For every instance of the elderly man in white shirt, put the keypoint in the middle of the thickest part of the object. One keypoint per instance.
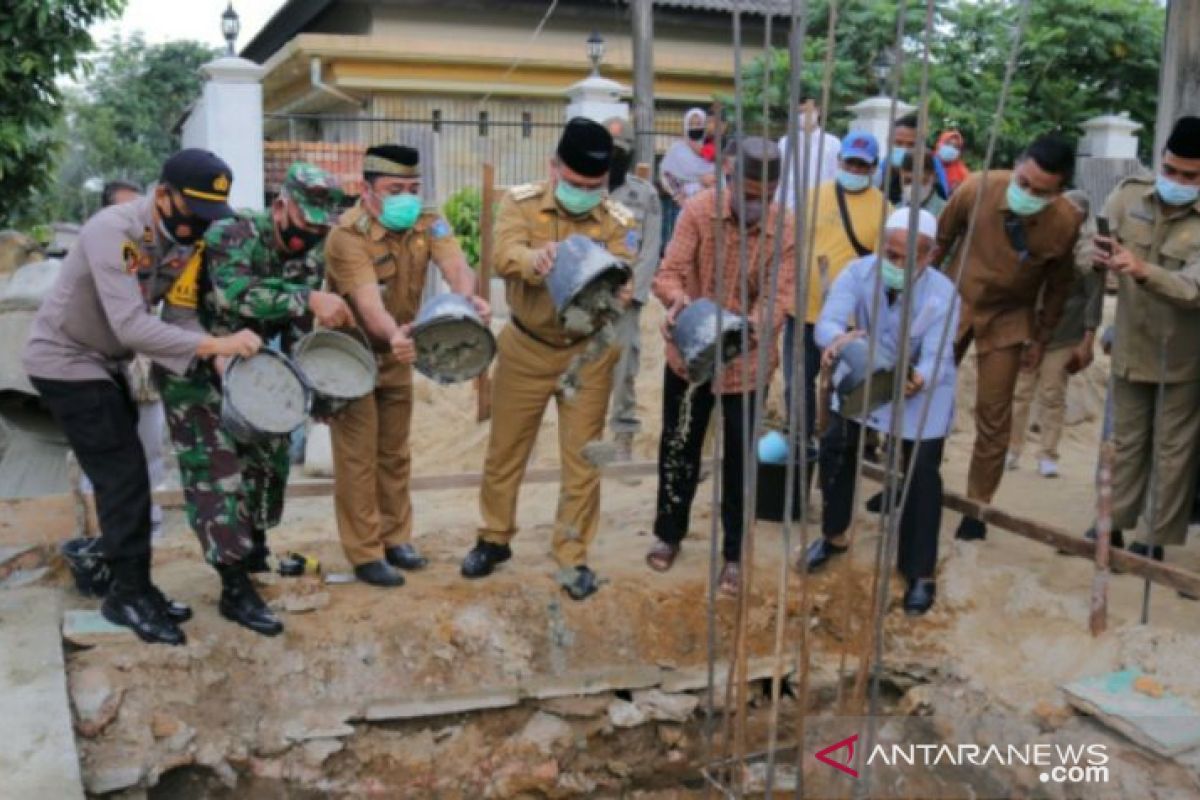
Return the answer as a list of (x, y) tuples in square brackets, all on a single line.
[(928, 407), (822, 149)]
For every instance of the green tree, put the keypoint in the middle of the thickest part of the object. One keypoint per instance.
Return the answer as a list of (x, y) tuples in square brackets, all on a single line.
[(1078, 59), (122, 124), (43, 40)]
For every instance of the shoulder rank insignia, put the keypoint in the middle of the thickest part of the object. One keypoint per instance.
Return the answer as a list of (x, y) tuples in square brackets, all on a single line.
[(620, 212), (525, 191)]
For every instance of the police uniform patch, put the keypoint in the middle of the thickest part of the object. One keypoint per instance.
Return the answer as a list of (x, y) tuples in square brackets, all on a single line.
[(185, 292), (440, 229), (134, 258)]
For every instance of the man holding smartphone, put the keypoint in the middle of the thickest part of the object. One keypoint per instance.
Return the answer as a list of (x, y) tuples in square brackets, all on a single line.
[(1155, 252)]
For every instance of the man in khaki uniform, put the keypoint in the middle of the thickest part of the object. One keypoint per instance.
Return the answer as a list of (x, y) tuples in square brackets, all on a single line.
[(1021, 248), (645, 239), (1156, 252), (377, 256), (535, 350)]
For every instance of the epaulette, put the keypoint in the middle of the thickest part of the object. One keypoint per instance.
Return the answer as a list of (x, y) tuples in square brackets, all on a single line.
[(620, 212), (363, 224), (1141, 179), (526, 191)]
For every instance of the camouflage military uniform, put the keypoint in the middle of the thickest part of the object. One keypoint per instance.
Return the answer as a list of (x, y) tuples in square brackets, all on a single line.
[(232, 489)]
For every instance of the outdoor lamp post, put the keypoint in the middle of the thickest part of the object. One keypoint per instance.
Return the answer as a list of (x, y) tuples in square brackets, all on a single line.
[(882, 68), (230, 26), (595, 51)]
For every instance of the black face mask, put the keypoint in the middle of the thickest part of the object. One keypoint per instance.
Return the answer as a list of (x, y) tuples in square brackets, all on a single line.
[(171, 223), (297, 240), (696, 134), (619, 167)]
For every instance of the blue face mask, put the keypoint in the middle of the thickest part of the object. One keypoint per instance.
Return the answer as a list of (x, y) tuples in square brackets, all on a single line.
[(948, 153), (852, 182), (575, 200), (892, 275), (898, 154), (399, 212), (1175, 194), (1022, 203)]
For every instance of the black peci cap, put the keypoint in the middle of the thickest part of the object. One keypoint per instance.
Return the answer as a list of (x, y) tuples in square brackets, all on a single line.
[(395, 160), (1184, 140), (586, 147), (203, 179)]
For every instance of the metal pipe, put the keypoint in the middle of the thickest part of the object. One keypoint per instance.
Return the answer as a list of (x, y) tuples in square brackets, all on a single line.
[(314, 77)]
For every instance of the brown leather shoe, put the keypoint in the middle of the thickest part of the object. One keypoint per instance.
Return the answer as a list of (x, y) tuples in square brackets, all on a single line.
[(730, 581), (662, 556)]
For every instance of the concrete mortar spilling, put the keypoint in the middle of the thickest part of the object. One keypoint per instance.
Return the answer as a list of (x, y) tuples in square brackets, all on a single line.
[(335, 373)]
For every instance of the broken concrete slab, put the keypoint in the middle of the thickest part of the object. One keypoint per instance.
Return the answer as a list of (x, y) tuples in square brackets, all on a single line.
[(663, 707), (89, 629), (546, 732), (314, 724), (38, 758), (111, 779), (441, 704), (583, 707), (1165, 724), (691, 679), (625, 714), (611, 679)]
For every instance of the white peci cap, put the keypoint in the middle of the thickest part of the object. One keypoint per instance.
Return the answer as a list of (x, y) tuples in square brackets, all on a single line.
[(926, 222)]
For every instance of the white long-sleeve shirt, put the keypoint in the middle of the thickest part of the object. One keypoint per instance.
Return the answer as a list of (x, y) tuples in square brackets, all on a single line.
[(822, 163)]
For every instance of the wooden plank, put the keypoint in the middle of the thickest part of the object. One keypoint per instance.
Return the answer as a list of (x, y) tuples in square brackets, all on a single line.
[(1065, 541), (38, 758), (487, 252)]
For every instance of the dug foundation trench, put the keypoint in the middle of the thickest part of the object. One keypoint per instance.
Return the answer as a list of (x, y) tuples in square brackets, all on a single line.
[(505, 688)]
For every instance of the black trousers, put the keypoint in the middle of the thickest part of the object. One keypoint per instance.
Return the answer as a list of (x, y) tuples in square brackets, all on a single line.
[(100, 420), (679, 453), (921, 518)]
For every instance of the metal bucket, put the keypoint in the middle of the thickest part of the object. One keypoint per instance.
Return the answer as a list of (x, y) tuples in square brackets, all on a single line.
[(337, 368), (850, 379), (263, 396), (453, 344), (695, 334), (584, 282)]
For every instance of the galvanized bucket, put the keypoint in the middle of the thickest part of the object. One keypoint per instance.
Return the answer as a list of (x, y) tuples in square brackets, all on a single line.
[(695, 335), (584, 283), (850, 380), (263, 396), (453, 344), (338, 369)]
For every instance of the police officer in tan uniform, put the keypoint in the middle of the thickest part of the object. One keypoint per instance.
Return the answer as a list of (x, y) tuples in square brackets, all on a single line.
[(377, 257), (535, 350), (1155, 250)]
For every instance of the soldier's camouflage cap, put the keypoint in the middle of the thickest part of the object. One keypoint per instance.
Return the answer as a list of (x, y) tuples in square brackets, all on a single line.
[(314, 191)]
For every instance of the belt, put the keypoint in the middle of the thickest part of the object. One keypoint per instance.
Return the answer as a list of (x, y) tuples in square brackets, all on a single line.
[(521, 327)]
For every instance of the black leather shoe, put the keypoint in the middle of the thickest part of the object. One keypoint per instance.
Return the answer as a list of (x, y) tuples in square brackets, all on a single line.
[(241, 603), (379, 573), (176, 611), (1146, 551), (919, 596), (819, 552), (875, 504), (583, 585), (1116, 538), (405, 557), (141, 612), (483, 558), (971, 530)]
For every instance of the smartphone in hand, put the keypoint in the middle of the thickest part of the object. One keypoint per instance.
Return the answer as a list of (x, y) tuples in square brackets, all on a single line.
[(1103, 229)]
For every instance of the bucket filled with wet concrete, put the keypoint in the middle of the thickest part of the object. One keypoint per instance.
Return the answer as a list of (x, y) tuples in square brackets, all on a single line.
[(453, 342), (337, 367), (263, 396), (700, 338), (585, 283)]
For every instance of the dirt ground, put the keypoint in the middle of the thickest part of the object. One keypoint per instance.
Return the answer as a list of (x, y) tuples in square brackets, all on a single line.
[(1010, 623)]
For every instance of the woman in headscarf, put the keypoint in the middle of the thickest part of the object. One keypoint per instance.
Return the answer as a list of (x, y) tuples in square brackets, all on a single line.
[(684, 172), (949, 152)]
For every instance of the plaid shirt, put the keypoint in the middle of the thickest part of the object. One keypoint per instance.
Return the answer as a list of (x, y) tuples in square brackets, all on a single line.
[(690, 266)]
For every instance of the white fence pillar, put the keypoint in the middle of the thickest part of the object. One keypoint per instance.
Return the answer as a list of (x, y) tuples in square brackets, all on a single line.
[(874, 115), (228, 120)]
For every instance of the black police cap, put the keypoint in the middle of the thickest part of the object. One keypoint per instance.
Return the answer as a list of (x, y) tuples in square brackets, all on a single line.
[(204, 181)]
